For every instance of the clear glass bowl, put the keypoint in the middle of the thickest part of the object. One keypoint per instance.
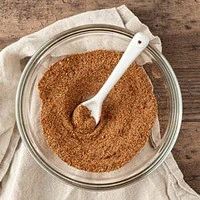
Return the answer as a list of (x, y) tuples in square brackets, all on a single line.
[(83, 39)]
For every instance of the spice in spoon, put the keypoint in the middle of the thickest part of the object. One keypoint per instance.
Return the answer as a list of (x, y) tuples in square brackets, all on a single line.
[(82, 120)]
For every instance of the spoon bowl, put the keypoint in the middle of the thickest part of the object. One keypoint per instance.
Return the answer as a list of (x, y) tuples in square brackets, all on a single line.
[(95, 107)]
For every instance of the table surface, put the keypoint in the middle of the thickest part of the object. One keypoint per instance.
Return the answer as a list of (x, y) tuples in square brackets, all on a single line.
[(176, 22)]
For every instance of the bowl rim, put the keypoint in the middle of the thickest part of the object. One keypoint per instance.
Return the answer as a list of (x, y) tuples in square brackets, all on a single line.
[(165, 150)]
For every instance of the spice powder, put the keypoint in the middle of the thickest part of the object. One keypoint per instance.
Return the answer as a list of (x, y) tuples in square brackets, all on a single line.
[(127, 116)]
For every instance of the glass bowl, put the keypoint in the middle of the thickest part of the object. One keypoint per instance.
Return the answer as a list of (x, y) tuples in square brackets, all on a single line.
[(166, 89)]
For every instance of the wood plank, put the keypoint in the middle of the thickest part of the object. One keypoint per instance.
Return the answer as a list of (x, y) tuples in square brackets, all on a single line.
[(186, 153)]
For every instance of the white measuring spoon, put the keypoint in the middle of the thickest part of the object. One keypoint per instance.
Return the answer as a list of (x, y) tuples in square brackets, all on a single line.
[(135, 47)]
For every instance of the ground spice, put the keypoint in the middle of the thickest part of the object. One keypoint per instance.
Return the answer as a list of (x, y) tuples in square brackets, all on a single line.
[(128, 112), (82, 120)]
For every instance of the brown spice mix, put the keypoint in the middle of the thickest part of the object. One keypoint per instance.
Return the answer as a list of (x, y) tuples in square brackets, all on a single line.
[(127, 117), (83, 122)]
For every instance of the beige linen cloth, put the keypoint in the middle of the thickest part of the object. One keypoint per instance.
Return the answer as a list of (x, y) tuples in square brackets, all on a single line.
[(21, 177)]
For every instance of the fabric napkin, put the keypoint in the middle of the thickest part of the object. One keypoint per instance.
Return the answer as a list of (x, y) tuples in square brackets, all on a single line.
[(21, 177)]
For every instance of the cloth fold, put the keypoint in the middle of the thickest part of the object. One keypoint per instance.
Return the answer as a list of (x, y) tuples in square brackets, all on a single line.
[(25, 179)]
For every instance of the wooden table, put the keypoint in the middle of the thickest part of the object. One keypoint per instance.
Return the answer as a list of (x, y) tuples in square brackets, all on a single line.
[(177, 22)]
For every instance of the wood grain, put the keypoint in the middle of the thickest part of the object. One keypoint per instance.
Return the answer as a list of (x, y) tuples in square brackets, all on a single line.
[(177, 22)]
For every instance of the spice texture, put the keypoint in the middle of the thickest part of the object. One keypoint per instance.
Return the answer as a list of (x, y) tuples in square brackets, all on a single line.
[(82, 120), (127, 116)]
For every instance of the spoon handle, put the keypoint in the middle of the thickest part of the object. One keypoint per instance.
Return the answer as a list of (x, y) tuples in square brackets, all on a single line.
[(138, 43)]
